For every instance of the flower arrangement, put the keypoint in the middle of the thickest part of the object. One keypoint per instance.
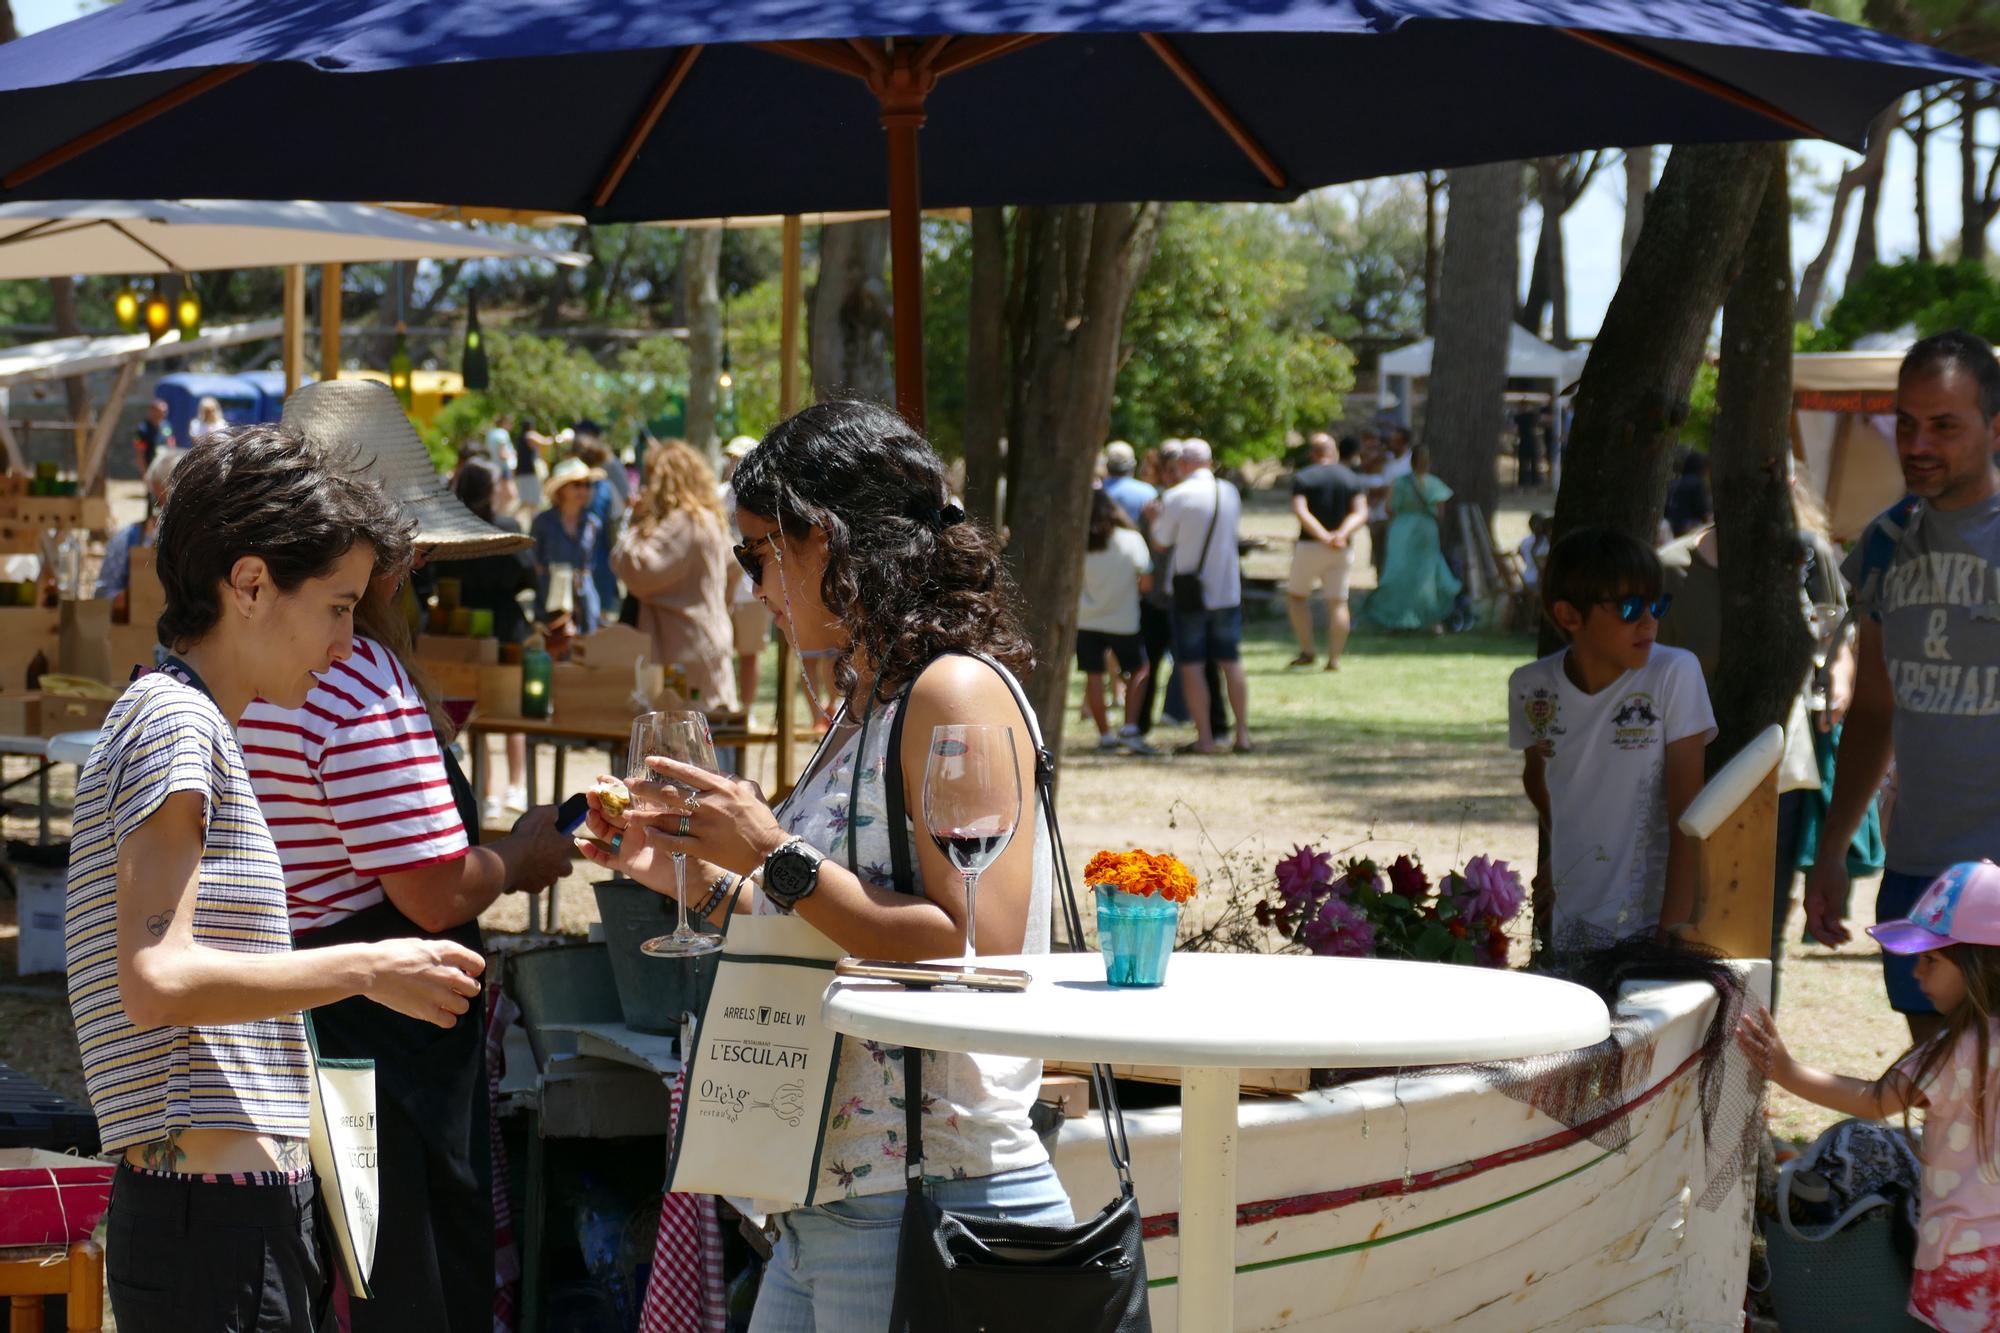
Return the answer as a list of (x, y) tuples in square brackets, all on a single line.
[(1361, 910), (1142, 874)]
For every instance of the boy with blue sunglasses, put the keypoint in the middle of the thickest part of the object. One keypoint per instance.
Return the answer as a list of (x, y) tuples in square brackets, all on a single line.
[(1612, 729)]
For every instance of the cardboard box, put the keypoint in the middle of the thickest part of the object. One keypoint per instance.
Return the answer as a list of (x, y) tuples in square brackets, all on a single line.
[(91, 512), (129, 646), (20, 713), (40, 905), (68, 712), (24, 632), (458, 648), (596, 698), (493, 689), (145, 598), (84, 640)]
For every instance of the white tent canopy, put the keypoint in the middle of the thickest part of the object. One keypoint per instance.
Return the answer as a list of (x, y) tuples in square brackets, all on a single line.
[(1528, 358), (74, 237)]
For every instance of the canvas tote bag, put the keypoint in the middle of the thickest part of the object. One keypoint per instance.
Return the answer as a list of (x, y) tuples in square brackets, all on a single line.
[(343, 1147)]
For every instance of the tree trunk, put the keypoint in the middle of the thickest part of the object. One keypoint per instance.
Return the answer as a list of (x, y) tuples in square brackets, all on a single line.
[(1867, 172), (1434, 185), (1919, 130), (701, 297), (1634, 396), (1758, 675), (1867, 253), (1091, 257), (849, 324), (1469, 365), (1972, 213), (1638, 189), (985, 345), (8, 32)]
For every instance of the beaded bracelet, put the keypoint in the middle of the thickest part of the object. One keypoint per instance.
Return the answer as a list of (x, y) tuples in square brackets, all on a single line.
[(716, 888)]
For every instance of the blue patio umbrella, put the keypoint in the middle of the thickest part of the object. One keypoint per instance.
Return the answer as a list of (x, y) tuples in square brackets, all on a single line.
[(657, 109)]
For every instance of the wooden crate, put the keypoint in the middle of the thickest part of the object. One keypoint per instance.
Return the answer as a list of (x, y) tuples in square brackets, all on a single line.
[(32, 713), (1262, 1082), (458, 648), (494, 689), (60, 511), (130, 646), (600, 697)]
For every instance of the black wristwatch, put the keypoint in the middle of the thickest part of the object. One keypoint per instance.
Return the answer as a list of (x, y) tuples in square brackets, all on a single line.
[(791, 872)]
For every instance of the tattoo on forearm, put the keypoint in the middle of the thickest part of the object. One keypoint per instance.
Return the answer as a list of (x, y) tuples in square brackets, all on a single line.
[(293, 1154), (163, 1154), (156, 924)]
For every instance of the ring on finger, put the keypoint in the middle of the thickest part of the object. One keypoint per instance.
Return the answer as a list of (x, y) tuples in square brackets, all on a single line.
[(693, 800), (686, 825)]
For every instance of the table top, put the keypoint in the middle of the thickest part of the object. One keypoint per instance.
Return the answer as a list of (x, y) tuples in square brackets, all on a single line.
[(1237, 1011), (554, 728)]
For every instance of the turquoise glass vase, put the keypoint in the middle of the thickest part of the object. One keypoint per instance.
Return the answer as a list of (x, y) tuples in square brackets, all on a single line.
[(1136, 935)]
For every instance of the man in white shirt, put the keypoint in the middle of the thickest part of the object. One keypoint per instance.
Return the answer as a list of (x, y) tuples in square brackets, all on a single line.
[(1195, 526)]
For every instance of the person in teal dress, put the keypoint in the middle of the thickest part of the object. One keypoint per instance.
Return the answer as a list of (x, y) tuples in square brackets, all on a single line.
[(1418, 589)]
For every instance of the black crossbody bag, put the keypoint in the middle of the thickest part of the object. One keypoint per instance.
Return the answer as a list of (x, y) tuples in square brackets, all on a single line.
[(966, 1274), (1187, 587)]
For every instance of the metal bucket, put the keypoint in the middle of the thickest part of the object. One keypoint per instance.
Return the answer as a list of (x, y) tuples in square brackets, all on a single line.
[(563, 983), (655, 993)]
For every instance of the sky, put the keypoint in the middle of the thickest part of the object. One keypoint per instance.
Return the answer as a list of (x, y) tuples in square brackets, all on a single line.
[(1592, 229)]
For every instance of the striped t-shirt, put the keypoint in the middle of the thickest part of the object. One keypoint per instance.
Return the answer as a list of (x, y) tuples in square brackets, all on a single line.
[(163, 737), (352, 786)]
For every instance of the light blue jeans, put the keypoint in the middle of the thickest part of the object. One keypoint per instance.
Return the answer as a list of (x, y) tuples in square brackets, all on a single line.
[(834, 1267)]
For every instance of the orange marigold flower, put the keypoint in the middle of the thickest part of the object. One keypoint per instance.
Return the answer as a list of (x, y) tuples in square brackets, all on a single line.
[(1145, 874)]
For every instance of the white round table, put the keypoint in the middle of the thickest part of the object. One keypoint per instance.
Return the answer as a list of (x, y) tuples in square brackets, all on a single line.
[(1223, 1012)]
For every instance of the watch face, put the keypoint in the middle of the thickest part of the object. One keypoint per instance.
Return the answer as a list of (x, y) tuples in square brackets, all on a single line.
[(792, 872)]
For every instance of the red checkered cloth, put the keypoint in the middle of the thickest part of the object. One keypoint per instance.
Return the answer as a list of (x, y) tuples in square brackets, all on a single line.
[(684, 1290), (500, 1015)]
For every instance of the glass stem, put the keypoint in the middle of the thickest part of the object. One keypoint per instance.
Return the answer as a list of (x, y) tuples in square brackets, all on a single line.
[(971, 913), (680, 894)]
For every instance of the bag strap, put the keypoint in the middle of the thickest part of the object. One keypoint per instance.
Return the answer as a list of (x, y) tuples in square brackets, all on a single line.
[(1102, 1085), (1207, 544)]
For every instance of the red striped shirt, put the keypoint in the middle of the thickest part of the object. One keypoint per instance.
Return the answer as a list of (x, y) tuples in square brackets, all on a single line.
[(352, 786)]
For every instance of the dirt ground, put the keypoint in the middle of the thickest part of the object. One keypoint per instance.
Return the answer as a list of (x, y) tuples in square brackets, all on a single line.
[(1404, 749)]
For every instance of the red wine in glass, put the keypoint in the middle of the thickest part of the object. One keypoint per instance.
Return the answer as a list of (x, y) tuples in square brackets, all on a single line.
[(972, 801)]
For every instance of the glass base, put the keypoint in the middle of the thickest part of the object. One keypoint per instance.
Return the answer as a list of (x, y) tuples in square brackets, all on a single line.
[(680, 945)]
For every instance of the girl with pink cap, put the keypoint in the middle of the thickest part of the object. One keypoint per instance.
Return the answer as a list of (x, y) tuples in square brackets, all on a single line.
[(1954, 930)]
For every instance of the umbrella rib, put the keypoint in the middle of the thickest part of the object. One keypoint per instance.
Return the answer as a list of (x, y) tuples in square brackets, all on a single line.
[(969, 51), (1217, 109), (31, 231), (122, 230), (132, 119), (826, 55), (871, 56), (636, 137), (1694, 78)]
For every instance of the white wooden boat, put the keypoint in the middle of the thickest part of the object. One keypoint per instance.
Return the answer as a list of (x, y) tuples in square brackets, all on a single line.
[(1439, 1202)]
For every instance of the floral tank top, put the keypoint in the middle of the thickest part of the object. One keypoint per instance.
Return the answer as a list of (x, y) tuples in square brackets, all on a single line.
[(975, 1107)]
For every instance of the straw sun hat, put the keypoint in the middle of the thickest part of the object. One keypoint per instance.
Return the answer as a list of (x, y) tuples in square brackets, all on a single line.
[(568, 473), (363, 415)]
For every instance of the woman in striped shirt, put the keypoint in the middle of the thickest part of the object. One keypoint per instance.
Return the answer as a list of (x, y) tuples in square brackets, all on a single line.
[(378, 833), (182, 983)]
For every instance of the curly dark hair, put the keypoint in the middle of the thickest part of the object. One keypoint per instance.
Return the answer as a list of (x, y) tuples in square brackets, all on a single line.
[(907, 583), (264, 491)]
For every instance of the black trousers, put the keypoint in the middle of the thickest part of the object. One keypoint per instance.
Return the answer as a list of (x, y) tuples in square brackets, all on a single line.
[(1156, 628), (433, 1268), (183, 1255)]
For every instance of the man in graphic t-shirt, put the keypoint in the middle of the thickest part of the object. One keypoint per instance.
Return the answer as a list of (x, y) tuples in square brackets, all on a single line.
[(1926, 580)]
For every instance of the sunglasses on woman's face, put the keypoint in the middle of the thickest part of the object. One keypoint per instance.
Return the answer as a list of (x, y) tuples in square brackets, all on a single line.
[(746, 556), (1629, 609)]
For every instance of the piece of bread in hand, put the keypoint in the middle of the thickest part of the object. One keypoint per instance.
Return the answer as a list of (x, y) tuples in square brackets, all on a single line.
[(614, 798)]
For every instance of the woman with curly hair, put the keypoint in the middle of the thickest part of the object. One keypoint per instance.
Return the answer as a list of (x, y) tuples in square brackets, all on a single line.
[(852, 539), (673, 555)]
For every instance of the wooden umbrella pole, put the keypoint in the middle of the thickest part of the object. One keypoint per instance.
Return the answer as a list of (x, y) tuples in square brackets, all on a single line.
[(901, 87), (294, 343), (329, 321)]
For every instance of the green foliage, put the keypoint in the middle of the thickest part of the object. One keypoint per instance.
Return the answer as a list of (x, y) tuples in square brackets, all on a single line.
[(1222, 340), (755, 337), (465, 417), (543, 380), (1701, 408), (1932, 297), (947, 308), (647, 379), (1366, 261)]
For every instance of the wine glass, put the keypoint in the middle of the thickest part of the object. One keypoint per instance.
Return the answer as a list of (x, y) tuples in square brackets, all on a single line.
[(1826, 624), (972, 801), (681, 736)]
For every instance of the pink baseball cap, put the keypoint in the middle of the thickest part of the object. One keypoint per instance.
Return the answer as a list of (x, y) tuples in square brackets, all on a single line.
[(1962, 906)]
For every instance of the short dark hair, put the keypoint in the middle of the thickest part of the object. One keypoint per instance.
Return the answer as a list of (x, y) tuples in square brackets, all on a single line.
[(1595, 565), (1957, 349), (905, 575), (1349, 448), (264, 491)]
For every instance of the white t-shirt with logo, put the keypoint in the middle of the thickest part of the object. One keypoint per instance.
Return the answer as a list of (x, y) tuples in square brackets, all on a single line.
[(1109, 603), (1607, 756)]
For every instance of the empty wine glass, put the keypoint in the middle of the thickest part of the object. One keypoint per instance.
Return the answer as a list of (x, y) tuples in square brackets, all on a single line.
[(972, 801), (681, 736)]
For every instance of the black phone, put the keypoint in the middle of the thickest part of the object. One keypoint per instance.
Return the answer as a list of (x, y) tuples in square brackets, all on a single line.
[(570, 817)]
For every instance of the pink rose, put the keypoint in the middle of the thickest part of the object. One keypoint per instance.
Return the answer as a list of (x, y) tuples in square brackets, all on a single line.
[(1303, 873), (1336, 930), (1494, 889)]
